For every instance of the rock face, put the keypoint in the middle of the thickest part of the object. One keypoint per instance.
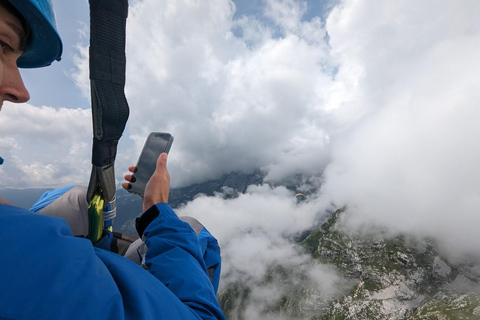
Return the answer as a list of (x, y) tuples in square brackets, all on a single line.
[(389, 277), (397, 278)]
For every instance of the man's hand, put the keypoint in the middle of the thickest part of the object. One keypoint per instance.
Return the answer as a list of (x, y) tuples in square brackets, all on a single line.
[(158, 187)]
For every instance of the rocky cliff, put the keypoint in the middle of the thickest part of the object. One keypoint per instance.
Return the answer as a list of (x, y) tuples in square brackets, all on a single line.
[(387, 277)]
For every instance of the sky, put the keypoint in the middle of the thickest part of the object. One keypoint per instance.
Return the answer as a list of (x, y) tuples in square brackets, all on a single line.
[(375, 103)]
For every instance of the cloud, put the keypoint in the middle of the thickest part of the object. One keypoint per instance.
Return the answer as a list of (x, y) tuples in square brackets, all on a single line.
[(235, 101), (272, 211), (409, 160), (44, 146), (255, 232), (81, 73), (237, 94)]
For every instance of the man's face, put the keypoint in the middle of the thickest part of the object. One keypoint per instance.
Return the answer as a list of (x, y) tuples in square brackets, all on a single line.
[(11, 38)]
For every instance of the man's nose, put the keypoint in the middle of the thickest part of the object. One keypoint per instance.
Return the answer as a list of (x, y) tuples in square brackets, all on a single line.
[(12, 87)]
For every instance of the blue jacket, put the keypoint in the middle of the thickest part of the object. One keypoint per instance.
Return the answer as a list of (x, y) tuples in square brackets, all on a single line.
[(46, 273)]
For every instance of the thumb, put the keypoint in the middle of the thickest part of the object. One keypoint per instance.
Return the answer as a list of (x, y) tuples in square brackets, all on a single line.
[(162, 161)]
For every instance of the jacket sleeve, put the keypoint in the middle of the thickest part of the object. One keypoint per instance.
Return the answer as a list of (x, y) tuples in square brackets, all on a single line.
[(210, 250), (175, 257), (46, 273)]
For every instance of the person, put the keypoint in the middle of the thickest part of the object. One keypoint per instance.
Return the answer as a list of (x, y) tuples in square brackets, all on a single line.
[(70, 203), (46, 272)]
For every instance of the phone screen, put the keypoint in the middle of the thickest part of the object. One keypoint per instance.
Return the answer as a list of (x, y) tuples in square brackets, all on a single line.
[(157, 143)]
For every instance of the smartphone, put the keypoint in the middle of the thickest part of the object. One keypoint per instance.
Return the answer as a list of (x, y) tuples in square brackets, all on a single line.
[(157, 143)]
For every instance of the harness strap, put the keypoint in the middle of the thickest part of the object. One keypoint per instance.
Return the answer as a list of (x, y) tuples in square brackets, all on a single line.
[(109, 104)]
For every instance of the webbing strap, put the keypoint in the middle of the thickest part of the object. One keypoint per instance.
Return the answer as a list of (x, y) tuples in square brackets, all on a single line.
[(95, 221), (107, 79)]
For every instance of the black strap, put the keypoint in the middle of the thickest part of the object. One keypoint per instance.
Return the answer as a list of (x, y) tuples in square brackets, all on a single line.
[(121, 242), (142, 222), (107, 79)]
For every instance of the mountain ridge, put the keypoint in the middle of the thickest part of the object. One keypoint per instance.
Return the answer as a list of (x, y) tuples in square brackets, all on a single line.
[(389, 276), (129, 206), (23, 198)]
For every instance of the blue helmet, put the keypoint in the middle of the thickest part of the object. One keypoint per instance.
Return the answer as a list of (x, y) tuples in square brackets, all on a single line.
[(44, 45)]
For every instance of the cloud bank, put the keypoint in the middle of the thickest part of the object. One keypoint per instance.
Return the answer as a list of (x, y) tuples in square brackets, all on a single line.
[(236, 97), (255, 232), (410, 162)]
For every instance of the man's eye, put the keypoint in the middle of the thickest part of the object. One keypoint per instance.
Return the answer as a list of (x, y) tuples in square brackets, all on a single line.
[(5, 47)]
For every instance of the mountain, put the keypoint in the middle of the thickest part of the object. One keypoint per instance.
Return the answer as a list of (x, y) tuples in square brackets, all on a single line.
[(389, 278), (129, 206), (23, 198)]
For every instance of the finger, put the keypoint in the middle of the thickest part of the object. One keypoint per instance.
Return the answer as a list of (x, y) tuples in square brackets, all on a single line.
[(132, 169), (130, 178), (126, 185)]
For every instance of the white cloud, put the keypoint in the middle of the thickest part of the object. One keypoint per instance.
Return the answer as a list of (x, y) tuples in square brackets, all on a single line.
[(410, 162), (285, 13), (44, 146), (273, 212), (255, 232), (81, 73), (232, 103)]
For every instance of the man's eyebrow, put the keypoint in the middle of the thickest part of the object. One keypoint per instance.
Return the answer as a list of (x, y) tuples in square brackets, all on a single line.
[(20, 33)]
